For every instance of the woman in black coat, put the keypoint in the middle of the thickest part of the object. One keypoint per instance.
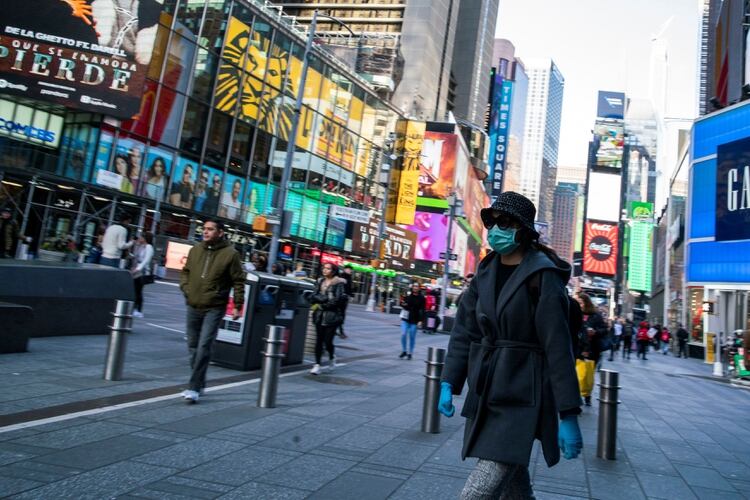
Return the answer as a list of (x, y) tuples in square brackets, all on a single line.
[(412, 313), (514, 351), (329, 301)]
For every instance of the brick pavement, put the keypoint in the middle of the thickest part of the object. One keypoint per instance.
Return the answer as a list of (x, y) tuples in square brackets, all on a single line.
[(350, 434)]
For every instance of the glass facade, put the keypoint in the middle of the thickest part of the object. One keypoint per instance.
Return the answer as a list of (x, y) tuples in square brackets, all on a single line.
[(211, 135)]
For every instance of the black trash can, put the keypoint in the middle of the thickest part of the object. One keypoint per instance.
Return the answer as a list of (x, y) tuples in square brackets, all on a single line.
[(239, 343), (296, 338)]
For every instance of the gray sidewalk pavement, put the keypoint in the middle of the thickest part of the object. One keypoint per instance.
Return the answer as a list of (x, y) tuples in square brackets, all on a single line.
[(353, 433)]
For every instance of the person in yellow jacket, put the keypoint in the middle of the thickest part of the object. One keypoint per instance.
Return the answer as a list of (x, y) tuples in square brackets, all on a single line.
[(213, 268)]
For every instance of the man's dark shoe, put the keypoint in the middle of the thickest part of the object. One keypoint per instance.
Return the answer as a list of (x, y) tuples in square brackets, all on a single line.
[(408, 356), (402, 355)]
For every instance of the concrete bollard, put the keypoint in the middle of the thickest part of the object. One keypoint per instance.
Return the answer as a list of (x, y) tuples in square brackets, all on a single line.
[(269, 377), (606, 440), (430, 416), (122, 322)]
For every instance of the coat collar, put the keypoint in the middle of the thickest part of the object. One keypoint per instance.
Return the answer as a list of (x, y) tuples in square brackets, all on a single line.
[(491, 307)]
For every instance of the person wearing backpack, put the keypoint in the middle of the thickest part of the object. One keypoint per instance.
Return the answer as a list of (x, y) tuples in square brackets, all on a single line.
[(514, 352), (665, 336)]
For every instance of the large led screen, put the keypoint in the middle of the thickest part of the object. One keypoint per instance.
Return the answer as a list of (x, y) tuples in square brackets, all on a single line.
[(432, 232), (603, 198), (609, 140), (600, 248), (91, 55)]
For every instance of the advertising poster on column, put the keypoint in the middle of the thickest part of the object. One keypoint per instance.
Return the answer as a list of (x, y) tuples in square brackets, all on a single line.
[(125, 171), (183, 183), (91, 55), (231, 330), (600, 248), (231, 200), (156, 178), (207, 191)]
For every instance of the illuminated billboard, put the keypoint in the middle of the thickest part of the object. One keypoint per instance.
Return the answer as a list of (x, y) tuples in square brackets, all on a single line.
[(438, 164), (610, 105), (640, 256), (609, 140), (600, 248), (502, 95), (603, 197), (88, 55)]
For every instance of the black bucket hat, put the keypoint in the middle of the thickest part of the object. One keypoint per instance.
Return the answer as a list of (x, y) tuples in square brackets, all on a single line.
[(514, 205)]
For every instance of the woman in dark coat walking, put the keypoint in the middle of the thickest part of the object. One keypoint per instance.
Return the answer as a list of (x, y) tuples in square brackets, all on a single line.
[(513, 349), (328, 302), (412, 313)]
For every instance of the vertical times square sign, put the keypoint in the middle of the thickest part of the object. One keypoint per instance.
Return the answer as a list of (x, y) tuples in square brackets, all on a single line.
[(502, 94)]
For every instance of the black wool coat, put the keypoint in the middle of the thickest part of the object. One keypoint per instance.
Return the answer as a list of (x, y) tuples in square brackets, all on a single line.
[(330, 304), (531, 376)]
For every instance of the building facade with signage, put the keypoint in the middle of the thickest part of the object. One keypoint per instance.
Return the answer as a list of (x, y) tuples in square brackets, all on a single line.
[(200, 131), (717, 230)]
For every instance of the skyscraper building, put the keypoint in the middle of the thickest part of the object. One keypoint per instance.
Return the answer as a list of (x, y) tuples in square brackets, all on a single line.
[(542, 134), (575, 174), (563, 230), (406, 47), (473, 57)]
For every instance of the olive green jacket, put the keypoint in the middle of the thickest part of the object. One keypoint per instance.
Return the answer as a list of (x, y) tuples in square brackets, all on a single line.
[(210, 272)]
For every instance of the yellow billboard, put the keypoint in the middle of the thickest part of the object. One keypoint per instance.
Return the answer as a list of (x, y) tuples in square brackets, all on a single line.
[(404, 186)]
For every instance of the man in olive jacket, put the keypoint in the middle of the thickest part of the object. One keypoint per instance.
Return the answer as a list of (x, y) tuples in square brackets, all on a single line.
[(212, 269)]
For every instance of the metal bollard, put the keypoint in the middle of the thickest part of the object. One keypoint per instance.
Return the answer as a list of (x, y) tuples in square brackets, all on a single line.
[(269, 377), (606, 440), (122, 323), (430, 416)]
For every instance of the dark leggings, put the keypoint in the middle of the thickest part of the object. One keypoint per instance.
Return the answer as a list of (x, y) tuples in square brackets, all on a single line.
[(138, 282), (325, 334)]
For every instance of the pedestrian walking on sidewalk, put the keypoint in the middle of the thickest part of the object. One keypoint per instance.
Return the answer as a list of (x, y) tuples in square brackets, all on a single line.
[(682, 339), (212, 270), (627, 339), (665, 336), (347, 276), (115, 241), (616, 337), (143, 253), (514, 351), (9, 234), (412, 314), (328, 302), (595, 331), (642, 340)]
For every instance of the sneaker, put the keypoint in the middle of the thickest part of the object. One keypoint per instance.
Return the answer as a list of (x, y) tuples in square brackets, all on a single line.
[(137, 314), (587, 400), (408, 356), (332, 364), (402, 355), (190, 397), (315, 369)]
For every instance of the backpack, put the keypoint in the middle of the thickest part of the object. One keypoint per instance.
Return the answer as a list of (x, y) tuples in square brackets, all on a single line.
[(575, 315)]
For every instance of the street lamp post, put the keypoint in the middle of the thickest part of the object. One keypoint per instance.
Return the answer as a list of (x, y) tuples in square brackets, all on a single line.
[(286, 174), (387, 166), (453, 204)]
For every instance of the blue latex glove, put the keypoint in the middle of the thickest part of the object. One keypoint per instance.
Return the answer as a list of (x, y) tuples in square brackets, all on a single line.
[(445, 405), (569, 437)]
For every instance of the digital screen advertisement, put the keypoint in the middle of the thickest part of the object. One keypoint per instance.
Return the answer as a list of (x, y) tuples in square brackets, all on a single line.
[(91, 55), (640, 256), (609, 141), (432, 232), (438, 164), (177, 254), (603, 200), (600, 248)]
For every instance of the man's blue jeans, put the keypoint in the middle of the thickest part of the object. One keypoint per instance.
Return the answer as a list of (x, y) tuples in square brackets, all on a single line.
[(202, 327), (105, 261)]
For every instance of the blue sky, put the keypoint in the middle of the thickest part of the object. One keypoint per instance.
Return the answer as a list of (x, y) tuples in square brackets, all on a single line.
[(605, 45)]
